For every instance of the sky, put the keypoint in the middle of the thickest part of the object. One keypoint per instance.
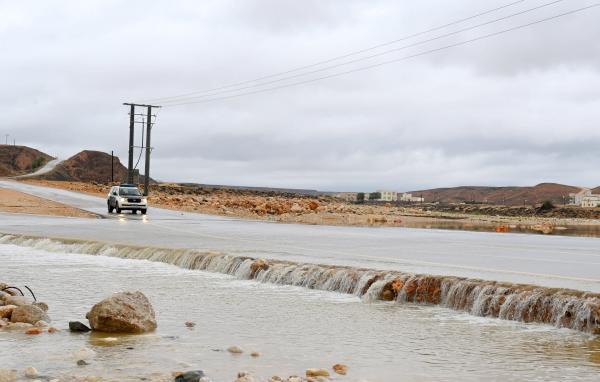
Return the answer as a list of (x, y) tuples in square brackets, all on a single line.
[(518, 108)]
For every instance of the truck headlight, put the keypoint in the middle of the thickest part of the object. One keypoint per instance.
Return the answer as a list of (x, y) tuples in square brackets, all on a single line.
[(144, 200), (122, 200)]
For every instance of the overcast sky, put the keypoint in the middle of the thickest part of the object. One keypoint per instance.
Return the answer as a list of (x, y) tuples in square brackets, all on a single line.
[(517, 109)]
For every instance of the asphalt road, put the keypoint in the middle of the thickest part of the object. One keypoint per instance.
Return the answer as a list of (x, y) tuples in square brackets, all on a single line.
[(556, 261)]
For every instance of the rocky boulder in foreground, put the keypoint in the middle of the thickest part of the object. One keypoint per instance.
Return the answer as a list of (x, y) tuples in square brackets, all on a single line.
[(125, 312)]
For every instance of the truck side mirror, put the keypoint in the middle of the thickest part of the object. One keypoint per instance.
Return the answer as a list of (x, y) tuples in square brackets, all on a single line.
[(114, 193)]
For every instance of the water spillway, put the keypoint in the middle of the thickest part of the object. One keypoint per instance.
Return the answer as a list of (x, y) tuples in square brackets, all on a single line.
[(561, 308)]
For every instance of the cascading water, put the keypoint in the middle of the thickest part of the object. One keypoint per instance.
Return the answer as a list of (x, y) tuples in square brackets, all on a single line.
[(519, 302)]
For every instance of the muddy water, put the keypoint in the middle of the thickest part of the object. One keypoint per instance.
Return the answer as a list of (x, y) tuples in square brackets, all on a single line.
[(293, 328)]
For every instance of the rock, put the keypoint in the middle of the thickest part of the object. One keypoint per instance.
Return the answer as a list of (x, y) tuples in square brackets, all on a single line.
[(294, 378), (78, 327), (296, 208), (190, 376), (340, 368), (52, 330), (6, 310), (29, 314), (235, 350), (3, 295), (255, 354), (3, 323), (190, 324), (31, 372), (42, 305), (126, 312), (317, 373), (19, 326), (82, 362), (41, 324), (8, 375), (275, 378), (33, 331), (245, 377), (312, 205), (17, 300)]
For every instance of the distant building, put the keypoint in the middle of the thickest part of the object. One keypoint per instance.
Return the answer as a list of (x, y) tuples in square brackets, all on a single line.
[(405, 197), (585, 198), (388, 196)]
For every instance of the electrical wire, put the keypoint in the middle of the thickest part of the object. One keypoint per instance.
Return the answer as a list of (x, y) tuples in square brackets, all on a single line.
[(446, 47), (373, 55), (456, 22)]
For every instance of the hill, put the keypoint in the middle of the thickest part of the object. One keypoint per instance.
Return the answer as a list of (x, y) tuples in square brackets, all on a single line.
[(596, 190), (557, 193), (89, 166), (19, 160)]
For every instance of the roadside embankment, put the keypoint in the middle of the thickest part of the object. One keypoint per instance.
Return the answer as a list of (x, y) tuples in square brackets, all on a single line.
[(17, 202)]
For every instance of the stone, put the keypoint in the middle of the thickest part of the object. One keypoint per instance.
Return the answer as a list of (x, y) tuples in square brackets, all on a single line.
[(7, 375), (235, 350), (294, 378), (17, 300), (29, 314), (33, 331), (82, 362), (52, 330), (190, 324), (255, 354), (7, 310), (19, 326), (125, 312), (296, 208), (78, 327), (257, 266), (41, 324), (317, 373), (245, 377), (31, 372), (42, 305), (190, 376), (3, 323), (340, 368), (4, 295)]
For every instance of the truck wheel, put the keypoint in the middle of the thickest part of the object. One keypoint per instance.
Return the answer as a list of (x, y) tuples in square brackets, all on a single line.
[(143, 212), (118, 209)]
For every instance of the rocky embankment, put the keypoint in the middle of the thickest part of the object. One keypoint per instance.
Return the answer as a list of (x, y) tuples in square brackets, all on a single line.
[(18, 312)]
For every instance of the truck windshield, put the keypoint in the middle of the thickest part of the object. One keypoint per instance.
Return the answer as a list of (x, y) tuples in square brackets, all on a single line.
[(129, 191)]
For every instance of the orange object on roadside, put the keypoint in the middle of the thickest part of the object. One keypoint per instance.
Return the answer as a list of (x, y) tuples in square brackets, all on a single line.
[(501, 228)]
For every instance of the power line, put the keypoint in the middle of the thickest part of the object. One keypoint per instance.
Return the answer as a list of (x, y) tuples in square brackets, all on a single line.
[(373, 55), (342, 56), (465, 42)]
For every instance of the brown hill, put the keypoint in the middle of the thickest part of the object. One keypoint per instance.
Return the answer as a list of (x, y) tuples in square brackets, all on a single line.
[(596, 190), (19, 160), (557, 193), (89, 166)]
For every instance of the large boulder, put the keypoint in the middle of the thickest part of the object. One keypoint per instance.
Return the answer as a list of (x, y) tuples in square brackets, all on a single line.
[(28, 314), (126, 312), (17, 300)]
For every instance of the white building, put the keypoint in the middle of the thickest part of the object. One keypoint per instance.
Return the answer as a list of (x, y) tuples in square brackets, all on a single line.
[(388, 196), (405, 197), (585, 198)]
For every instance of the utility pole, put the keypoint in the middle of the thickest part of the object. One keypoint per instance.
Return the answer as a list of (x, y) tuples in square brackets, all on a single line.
[(112, 166), (130, 170)]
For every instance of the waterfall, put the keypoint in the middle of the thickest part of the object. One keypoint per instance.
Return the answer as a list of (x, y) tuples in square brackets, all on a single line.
[(518, 302)]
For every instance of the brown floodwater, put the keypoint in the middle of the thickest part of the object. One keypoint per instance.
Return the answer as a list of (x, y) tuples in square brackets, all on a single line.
[(293, 328)]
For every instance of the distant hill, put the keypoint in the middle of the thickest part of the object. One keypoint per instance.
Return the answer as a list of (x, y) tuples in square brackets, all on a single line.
[(89, 166), (557, 193), (596, 190), (19, 160)]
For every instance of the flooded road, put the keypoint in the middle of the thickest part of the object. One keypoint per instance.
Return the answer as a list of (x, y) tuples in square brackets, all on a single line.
[(293, 329)]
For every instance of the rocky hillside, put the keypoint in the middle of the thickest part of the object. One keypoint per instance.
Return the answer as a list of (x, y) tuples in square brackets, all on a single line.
[(88, 166), (19, 160), (557, 193)]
